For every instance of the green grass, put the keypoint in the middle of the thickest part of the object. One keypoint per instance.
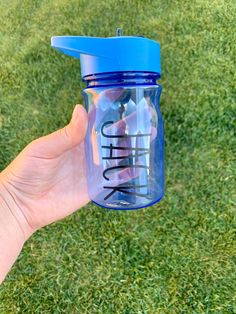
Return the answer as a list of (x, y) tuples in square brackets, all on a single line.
[(178, 256)]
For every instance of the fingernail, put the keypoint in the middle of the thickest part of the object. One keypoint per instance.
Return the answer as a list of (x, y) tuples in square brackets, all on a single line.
[(75, 113)]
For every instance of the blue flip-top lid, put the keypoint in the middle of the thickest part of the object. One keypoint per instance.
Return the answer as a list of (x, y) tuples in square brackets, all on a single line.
[(111, 54)]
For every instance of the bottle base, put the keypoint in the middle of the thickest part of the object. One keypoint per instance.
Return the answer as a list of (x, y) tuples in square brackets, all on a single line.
[(125, 205)]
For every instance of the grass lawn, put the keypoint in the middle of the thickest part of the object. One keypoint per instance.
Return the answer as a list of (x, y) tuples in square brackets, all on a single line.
[(178, 256)]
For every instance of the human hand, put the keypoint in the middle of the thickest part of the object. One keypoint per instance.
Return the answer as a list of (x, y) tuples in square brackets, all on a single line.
[(47, 180)]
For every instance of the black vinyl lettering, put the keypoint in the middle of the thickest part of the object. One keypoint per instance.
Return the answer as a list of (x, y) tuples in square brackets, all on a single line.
[(130, 158), (138, 152), (122, 135), (122, 167), (125, 189)]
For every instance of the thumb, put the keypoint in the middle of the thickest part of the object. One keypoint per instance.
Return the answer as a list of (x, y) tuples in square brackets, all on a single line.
[(58, 142)]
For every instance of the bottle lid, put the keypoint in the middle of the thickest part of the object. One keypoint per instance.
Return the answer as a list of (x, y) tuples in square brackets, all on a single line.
[(112, 54)]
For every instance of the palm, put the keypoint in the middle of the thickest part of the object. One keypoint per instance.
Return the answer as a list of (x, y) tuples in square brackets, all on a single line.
[(47, 179), (49, 188)]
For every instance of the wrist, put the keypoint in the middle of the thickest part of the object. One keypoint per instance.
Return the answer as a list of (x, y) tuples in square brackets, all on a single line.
[(12, 236), (14, 229), (12, 219)]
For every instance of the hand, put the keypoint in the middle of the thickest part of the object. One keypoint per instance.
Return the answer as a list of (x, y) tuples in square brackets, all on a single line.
[(47, 180)]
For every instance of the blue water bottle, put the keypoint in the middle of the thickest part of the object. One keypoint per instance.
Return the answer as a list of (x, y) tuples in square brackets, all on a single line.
[(125, 137)]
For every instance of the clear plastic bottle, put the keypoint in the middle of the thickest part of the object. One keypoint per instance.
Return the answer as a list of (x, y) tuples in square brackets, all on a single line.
[(125, 138)]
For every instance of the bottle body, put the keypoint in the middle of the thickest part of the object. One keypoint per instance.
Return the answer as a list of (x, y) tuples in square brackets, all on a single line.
[(125, 140)]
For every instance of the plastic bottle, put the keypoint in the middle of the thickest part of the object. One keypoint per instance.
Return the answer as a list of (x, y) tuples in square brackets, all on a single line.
[(125, 137)]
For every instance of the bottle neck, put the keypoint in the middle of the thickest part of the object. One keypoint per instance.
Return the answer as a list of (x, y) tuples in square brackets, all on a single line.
[(121, 78)]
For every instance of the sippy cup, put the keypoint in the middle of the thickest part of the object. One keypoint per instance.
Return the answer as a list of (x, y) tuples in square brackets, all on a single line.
[(124, 143)]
